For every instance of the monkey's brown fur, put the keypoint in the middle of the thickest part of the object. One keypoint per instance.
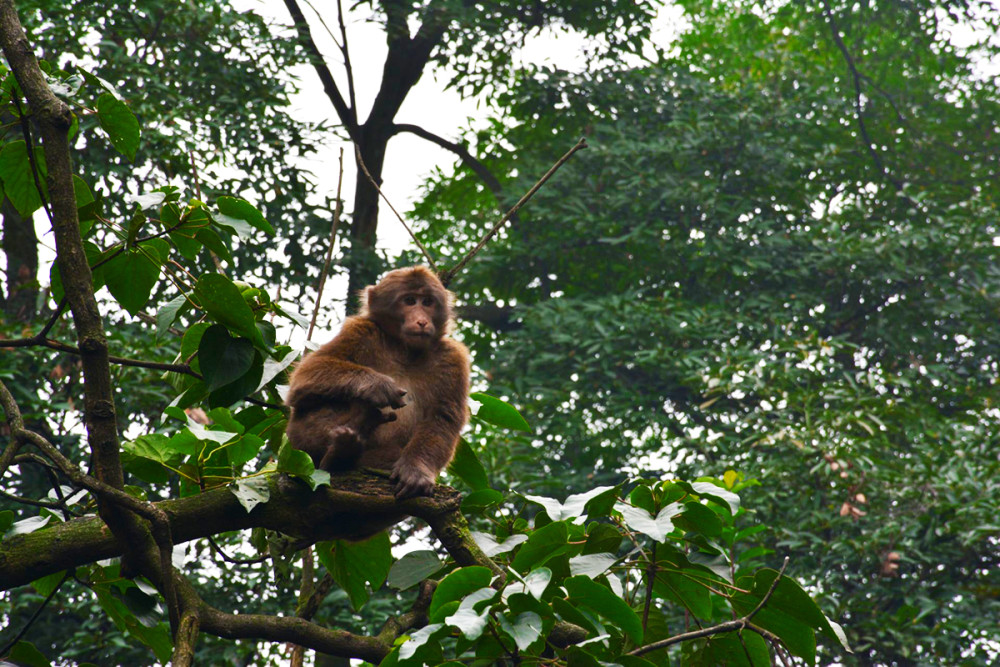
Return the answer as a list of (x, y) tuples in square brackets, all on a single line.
[(390, 391)]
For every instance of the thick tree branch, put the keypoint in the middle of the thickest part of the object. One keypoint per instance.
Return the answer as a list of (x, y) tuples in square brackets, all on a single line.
[(358, 501)]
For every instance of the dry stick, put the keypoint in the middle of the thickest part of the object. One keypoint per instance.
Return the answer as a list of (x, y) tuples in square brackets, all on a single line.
[(361, 163), (450, 273), (729, 626), (329, 251)]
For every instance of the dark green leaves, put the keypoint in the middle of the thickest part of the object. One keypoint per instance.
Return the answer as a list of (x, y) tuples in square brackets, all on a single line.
[(413, 568), (585, 592), (223, 358), (357, 567), (119, 122), (223, 301), (18, 178), (131, 274), (233, 212), (497, 412)]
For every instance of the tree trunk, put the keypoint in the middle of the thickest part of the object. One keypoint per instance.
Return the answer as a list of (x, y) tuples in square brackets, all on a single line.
[(20, 245)]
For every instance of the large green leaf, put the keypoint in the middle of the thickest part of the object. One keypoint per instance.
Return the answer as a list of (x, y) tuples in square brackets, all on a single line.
[(542, 544), (494, 411), (119, 122), (456, 586), (586, 592), (132, 274), (222, 300), (223, 358), (413, 568), (18, 179), (357, 566), (466, 466), (235, 209)]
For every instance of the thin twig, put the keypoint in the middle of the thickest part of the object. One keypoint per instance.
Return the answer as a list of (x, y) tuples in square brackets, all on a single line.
[(344, 49), (329, 250), (729, 626), (34, 617), (450, 273), (858, 109), (364, 168), (235, 561)]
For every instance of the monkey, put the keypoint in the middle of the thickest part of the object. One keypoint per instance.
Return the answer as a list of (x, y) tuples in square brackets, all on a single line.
[(390, 391)]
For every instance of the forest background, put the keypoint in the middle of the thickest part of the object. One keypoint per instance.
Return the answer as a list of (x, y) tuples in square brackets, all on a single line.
[(774, 266)]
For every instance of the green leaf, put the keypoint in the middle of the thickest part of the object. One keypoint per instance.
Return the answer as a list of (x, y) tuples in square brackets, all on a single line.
[(6, 521), (477, 501), (25, 653), (640, 520), (251, 492), (470, 621), (25, 526), (413, 568), (699, 518), (524, 630), (537, 581), (240, 388), (456, 586), (492, 548), (747, 649), (574, 506), (132, 274), (222, 300), (157, 638), (357, 565), (684, 590), (591, 565), (244, 450), (222, 358), (419, 639), (467, 467), (294, 461), (18, 179), (542, 544), (120, 123), (240, 209), (586, 592), (789, 613), (715, 493), (497, 412), (167, 314)]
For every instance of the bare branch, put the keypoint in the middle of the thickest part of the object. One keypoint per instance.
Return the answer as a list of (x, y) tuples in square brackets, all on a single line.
[(450, 273), (329, 250), (347, 114), (735, 625), (423, 250)]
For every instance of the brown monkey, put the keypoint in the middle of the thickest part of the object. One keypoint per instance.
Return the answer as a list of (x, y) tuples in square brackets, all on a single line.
[(390, 391)]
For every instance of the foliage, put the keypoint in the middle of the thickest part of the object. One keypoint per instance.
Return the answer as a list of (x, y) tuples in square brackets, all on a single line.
[(592, 576), (730, 276)]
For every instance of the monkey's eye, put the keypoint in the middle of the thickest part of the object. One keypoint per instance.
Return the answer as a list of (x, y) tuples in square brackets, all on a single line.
[(428, 301), (410, 300)]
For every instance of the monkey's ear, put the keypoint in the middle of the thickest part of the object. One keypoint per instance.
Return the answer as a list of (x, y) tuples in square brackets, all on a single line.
[(364, 297)]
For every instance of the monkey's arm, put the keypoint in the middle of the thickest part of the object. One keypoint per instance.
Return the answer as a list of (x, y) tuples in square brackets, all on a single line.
[(434, 439), (340, 370)]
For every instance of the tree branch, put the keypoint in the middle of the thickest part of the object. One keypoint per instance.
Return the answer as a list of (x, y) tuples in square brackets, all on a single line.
[(469, 160), (347, 114), (364, 168), (450, 273), (729, 626), (358, 501)]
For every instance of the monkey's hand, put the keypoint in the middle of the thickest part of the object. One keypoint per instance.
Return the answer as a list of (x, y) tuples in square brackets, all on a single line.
[(412, 480), (382, 392)]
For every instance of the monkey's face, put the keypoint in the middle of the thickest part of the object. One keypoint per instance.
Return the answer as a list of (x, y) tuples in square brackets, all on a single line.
[(419, 315)]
